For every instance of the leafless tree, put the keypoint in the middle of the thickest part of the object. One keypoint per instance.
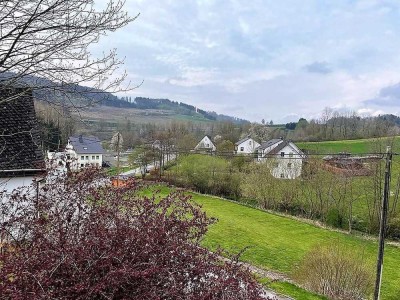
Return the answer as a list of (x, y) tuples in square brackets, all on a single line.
[(45, 44)]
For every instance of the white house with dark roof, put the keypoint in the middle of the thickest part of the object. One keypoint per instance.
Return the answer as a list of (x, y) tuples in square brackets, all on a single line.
[(246, 146), (284, 158), (21, 158), (84, 151), (206, 145)]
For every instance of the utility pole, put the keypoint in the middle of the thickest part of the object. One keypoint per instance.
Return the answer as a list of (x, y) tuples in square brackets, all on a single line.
[(118, 151), (383, 222), (161, 158), (116, 143)]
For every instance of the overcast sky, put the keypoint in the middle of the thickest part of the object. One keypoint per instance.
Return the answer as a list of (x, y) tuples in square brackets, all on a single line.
[(257, 59)]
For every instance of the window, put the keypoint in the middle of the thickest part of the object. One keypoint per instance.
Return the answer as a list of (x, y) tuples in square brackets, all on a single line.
[(282, 154), (87, 157), (97, 157), (81, 165), (92, 156), (289, 165), (291, 154), (68, 156), (282, 175), (84, 148), (82, 157), (249, 142), (241, 148)]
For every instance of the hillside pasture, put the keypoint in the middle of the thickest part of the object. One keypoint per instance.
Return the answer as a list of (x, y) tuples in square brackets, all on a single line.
[(376, 145)]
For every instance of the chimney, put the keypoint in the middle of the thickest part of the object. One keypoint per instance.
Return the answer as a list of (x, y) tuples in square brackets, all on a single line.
[(80, 139)]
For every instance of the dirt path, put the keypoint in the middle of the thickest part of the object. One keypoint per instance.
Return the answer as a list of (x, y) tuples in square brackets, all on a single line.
[(275, 276)]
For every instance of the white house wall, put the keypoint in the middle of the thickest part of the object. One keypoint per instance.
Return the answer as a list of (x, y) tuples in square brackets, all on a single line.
[(205, 143), (289, 166), (247, 147), (86, 159), (9, 184)]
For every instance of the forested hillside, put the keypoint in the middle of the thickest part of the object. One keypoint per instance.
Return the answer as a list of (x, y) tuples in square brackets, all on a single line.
[(165, 104)]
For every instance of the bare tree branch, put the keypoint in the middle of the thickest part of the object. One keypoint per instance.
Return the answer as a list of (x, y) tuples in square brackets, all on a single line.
[(45, 44)]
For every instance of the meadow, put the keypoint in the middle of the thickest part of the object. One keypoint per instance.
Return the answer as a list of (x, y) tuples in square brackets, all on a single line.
[(352, 146)]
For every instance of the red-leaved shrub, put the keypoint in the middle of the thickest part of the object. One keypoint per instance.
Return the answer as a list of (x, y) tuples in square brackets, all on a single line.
[(83, 239)]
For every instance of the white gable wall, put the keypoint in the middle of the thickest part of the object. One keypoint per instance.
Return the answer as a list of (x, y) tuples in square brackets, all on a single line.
[(247, 147), (289, 165), (205, 143)]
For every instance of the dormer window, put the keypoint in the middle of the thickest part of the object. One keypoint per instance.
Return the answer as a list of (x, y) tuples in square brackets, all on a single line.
[(84, 148)]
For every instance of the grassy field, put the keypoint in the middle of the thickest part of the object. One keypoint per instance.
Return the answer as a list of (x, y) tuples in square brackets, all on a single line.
[(279, 243), (352, 146)]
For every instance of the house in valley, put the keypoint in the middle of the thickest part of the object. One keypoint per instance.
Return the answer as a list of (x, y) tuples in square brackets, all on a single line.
[(205, 145), (84, 151), (246, 146), (21, 157), (284, 158)]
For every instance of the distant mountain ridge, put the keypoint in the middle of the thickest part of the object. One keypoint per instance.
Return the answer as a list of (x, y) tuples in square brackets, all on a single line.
[(79, 95)]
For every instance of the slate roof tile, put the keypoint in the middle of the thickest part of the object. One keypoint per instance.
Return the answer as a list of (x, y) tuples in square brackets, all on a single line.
[(19, 132)]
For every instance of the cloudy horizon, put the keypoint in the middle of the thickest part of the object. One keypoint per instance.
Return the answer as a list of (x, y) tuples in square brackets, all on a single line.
[(263, 59)]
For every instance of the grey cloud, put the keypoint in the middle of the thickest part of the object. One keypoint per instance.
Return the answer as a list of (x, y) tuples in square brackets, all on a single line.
[(318, 67), (388, 96)]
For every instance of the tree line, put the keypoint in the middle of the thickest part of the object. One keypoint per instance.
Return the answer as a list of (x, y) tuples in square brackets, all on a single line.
[(335, 125)]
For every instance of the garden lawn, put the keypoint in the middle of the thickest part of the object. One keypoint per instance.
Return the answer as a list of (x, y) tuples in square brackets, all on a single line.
[(279, 243)]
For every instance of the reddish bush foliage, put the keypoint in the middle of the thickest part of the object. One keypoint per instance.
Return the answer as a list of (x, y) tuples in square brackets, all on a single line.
[(82, 239)]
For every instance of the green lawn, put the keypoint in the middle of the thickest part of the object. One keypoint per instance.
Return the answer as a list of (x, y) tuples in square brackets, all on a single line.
[(279, 243), (352, 146)]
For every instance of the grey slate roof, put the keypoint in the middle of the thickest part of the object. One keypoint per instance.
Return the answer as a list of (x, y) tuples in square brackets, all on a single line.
[(241, 141), (265, 145), (278, 148), (20, 141), (86, 144)]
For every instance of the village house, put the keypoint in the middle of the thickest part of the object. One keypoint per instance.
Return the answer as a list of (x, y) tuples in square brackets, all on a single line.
[(284, 158), (156, 145), (21, 157), (205, 145), (84, 151), (246, 146)]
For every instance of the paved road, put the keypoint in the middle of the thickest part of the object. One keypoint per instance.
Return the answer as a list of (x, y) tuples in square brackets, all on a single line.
[(149, 167)]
